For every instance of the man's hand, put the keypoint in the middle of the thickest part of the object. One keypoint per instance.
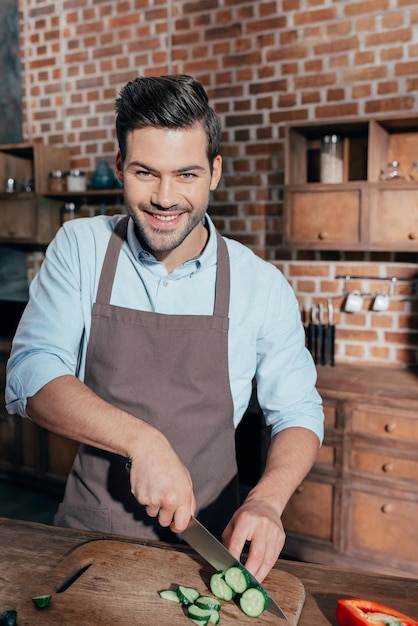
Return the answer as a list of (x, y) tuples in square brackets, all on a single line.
[(161, 483), (291, 455), (259, 523)]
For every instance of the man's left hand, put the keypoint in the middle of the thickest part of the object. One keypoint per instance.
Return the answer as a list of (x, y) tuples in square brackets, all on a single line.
[(260, 524)]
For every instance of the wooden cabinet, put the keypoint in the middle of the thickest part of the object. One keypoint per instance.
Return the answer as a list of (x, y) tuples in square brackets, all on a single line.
[(364, 212), (29, 453), (29, 216), (358, 506)]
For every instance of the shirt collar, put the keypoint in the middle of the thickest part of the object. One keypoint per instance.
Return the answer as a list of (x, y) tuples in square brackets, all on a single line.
[(207, 257)]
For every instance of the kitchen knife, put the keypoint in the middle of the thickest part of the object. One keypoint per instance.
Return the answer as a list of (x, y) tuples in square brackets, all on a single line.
[(331, 333), (311, 330), (205, 544), (322, 335)]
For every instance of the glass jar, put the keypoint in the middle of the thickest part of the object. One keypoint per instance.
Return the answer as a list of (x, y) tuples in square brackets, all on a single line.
[(394, 171), (69, 211), (57, 181), (76, 180), (331, 162), (413, 172)]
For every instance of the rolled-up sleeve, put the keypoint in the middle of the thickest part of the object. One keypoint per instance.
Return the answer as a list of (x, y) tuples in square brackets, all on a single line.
[(286, 374), (48, 338)]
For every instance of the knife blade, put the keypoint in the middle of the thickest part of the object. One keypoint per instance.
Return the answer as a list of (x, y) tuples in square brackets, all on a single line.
[(205, 544)]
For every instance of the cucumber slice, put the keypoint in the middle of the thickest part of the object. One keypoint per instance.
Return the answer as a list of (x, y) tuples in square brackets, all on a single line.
[(253, 601), (208, 602), (219, 588), (41, 601), (187, 595), (237, 578), (196, 613), (200, 622), (169, 594)]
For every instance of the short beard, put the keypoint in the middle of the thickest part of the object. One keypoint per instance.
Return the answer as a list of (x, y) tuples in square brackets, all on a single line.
[(157, 241)]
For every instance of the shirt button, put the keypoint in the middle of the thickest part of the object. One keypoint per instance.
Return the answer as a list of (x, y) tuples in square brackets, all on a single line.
[(165, 283)]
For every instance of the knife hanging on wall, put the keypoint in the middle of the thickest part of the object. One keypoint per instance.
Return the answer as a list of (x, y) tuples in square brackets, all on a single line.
[(331, 334), (311, 332)]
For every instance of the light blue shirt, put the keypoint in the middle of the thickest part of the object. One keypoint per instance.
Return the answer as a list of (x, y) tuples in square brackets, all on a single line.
[(266, 336)]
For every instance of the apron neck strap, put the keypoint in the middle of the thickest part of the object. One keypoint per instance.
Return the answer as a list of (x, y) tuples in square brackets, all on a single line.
[(118, 236)]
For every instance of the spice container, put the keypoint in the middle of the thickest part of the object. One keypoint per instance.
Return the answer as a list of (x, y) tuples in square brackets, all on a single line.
[(394, 171), (69, 212), (10, 185), (413, 172), (331, 162), (76, 180), (57, 181)]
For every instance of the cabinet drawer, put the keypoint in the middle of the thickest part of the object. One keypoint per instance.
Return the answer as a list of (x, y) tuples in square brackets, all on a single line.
[(394, 217), (326, 456), (309, 510), (384, 525), (330, 414), (18, 219), (391, 424), (316, 216), (384, 464)]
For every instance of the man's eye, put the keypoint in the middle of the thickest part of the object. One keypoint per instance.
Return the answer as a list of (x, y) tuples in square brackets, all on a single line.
[(187, 175), (143, 173)]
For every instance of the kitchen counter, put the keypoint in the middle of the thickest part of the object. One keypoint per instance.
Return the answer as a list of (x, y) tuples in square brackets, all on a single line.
[(29, 551)]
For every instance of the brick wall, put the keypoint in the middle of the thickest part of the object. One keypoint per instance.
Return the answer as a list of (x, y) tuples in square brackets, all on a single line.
[(264, 64)]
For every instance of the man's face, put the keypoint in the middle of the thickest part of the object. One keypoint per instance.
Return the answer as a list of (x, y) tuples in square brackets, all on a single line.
[(167, 181)]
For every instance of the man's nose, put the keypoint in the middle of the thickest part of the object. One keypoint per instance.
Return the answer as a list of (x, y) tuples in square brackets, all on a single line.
[(164, 195)]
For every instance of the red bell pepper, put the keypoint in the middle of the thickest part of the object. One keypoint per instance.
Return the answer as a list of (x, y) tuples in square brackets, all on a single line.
[(357, 612)]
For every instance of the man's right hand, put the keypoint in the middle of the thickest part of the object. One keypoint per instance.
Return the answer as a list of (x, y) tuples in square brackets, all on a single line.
[(161, 483)]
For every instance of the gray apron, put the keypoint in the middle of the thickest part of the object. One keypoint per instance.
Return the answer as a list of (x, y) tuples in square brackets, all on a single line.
[(172, 372)]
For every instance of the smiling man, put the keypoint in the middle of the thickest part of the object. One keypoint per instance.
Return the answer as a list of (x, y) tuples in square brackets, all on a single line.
[(143, 336)]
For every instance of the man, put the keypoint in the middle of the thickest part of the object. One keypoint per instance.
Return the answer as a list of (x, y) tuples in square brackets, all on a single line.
[(142, 338)]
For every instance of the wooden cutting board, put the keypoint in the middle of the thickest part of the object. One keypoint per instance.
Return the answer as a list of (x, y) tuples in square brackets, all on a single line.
[(121, 586)]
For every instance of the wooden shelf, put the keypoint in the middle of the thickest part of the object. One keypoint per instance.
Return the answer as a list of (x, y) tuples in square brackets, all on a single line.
[(364, 212)]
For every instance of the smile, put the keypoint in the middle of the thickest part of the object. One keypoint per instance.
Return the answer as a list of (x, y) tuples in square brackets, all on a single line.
[(165, 218)]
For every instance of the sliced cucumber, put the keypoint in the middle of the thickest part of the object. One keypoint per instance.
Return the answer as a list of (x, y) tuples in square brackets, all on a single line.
[(253, 601), (187, 595), (219, 588), (200, 622), (237, 578), (169, 594), (41, 601), (208, 602), (196, 613)]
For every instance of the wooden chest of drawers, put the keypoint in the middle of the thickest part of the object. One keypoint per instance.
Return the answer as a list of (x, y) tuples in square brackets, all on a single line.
[(359, 505)]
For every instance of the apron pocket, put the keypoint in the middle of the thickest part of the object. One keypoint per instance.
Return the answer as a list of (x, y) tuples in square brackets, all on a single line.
[(83, 518)]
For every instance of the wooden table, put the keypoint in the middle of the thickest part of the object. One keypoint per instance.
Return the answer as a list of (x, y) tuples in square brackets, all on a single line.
[(29, 550)]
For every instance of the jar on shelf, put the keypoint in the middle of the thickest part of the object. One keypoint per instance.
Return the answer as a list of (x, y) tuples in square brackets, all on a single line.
[(57, 181), (103, 177), (69, 211), (331, 161), (413, 172), (394, 171), (76, 180)]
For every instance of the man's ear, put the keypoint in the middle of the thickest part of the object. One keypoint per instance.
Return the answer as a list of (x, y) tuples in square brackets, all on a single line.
[(118, 167), (216, 172)]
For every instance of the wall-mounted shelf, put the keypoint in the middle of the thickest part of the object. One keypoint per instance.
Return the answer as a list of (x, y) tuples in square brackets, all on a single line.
[(363, 212)]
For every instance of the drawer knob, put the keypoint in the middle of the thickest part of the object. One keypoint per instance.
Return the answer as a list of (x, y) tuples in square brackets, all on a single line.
[(323, 234), (389, 428), (413, 236), (387, 508), (387, 467)]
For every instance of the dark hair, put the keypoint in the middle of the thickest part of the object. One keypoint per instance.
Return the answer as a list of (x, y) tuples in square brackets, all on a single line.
[(177, 101)]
